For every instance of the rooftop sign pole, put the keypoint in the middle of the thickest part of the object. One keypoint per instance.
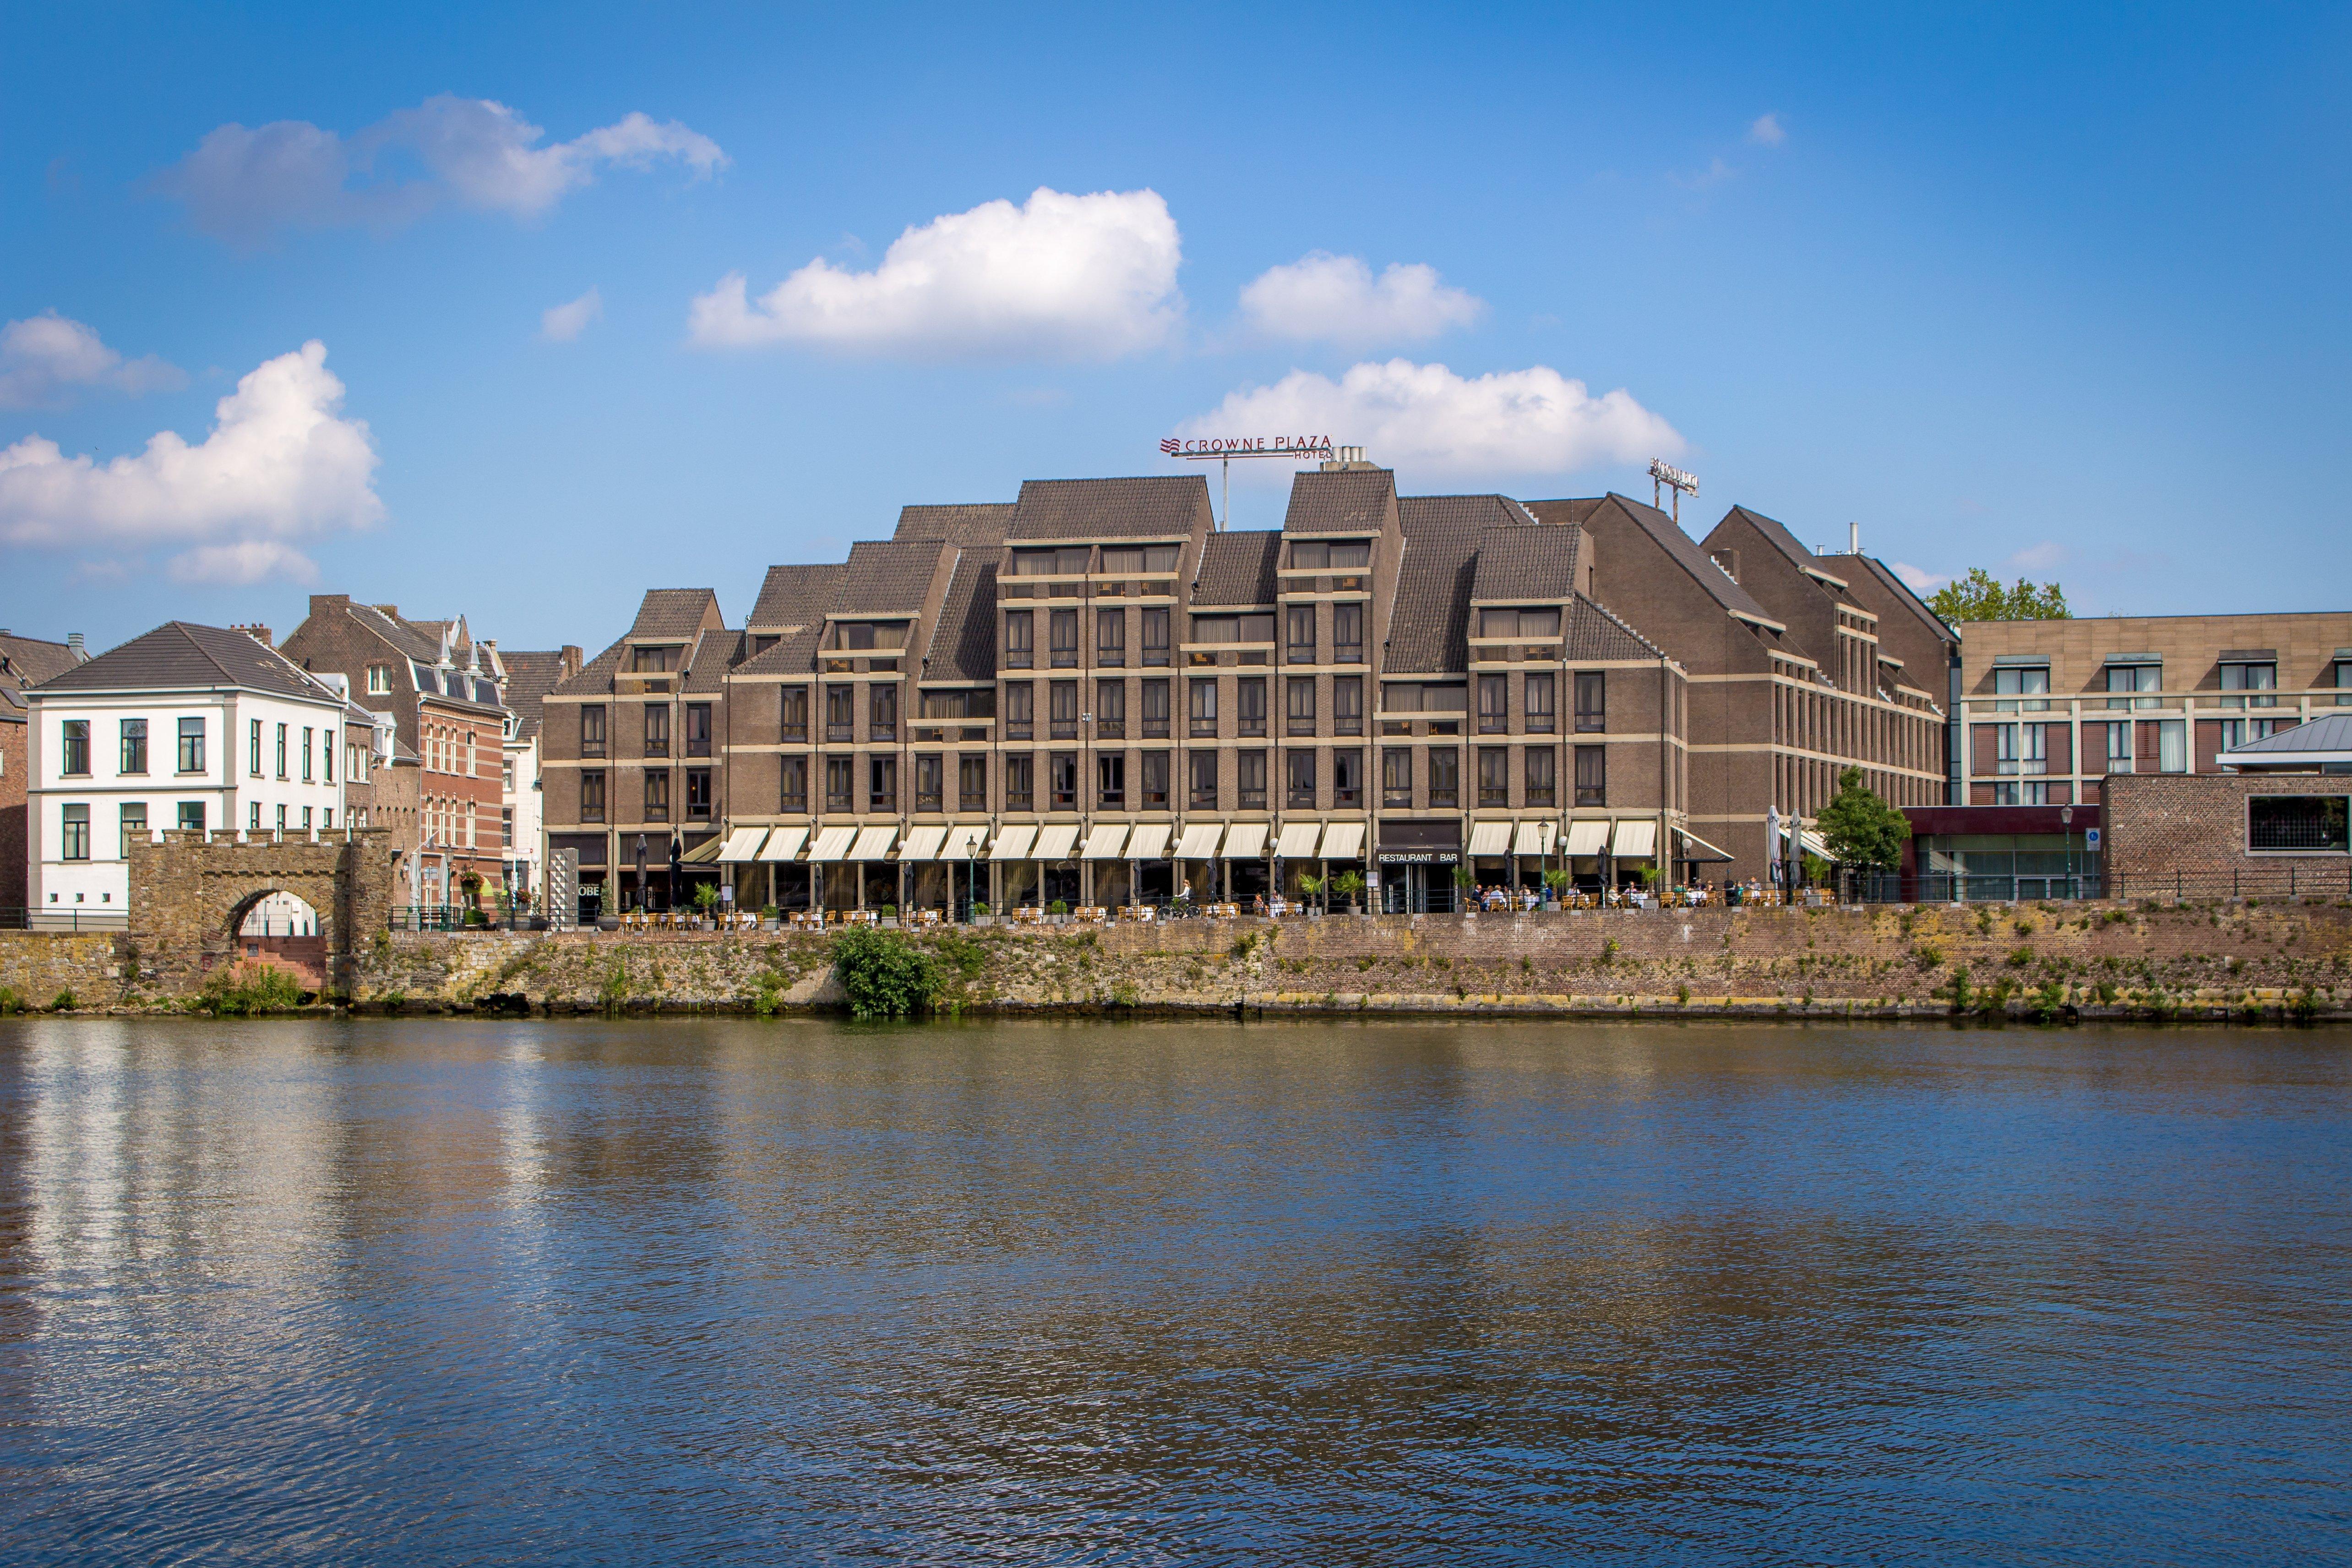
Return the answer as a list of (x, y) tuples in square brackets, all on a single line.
[(1223, 449), (1663, 473)]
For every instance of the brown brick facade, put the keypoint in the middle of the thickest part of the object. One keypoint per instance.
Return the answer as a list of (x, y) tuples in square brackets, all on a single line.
[(2189, 832)]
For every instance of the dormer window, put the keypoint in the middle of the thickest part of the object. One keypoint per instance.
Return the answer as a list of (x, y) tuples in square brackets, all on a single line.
[(1067, 561), (1518, 622), (1139, 558), (653, 660), (860, 635), (1322, 555)]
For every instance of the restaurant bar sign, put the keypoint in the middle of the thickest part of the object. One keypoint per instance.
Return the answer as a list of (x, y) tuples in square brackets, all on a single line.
[(1301, 448)]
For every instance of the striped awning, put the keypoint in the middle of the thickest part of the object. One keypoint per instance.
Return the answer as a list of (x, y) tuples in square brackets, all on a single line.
[(1245, 841), (1586, 838), (1054, 841), (743, 844), (1149, 841), (1635, 839), (1343, 841), (1200, 841), (873, 843), (964, 838), (783, 844), (1534, 838), (922, 844), (832, 844), (1013, 843), (1298, 840), (1104, 842), (1490, 839)]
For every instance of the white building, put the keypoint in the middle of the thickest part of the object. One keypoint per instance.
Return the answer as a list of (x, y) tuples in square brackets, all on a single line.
[(187, 727)]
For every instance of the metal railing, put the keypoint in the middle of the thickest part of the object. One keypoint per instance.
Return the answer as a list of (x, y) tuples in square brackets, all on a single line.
[(2239, 882)]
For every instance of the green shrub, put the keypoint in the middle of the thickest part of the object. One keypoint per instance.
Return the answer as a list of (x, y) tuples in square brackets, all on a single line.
[(1926, 955), (2020, 957), (62, 1003), (10, 1002), (248, 988), (1960, 993), (889, 911), (768, 998), (1058, 907), (1609, 951), (883, 973)]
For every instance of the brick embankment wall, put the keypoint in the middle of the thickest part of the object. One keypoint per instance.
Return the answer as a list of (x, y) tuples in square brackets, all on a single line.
[(2193, 827), (2078, 960), (39, 966)]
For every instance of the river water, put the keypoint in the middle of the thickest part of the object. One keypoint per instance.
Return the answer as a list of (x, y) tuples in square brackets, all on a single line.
[(1084, 1292)]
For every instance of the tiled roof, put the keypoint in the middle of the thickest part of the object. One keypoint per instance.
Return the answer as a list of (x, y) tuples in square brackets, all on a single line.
[(714, 655), (179, 653), (531, 676), (595, 676), (1152, 507), (27, 661), (1527, 560), (407, 637), (887, 576), (1595, 633), (1430, 624), (671, 613), (1777, 535), (1678, 546), (972, 524), (963, 646), (794, 595), (1354, 501), (1237, 569)]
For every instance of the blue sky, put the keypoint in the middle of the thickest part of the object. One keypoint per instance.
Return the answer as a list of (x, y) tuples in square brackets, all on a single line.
[(2060, 293)]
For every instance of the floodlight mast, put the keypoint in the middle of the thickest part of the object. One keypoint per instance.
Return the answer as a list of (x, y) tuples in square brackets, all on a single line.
[(1664, 474)]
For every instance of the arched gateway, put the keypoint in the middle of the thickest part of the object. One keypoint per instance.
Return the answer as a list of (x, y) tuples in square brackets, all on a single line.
[(193, 894)]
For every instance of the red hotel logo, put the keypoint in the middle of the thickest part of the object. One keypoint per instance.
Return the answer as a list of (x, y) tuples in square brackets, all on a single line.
[(1249, 446)]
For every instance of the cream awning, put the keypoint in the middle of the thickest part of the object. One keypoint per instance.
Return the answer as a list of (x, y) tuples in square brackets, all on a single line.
[(832, 844), (1298, 840), (1692, 846), (1490, 839), (1013, 843), (743, 844), (1244, 841), (1103, 843), (1054, 841), (1200, 841), (1343, 841), (1635, 839), (1150, 842), (783, 844), (922, 844), (702, 854), (873, 843), (1586, 838), (1816, 845), (1534, 838), (964, 838)]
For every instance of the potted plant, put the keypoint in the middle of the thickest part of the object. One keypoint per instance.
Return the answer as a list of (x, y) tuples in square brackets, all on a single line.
[(889, 914), (1463, 883), (1349, 885), (770, 916), (706, 898), (1554, 887), (1312, 887), (1060, 910)]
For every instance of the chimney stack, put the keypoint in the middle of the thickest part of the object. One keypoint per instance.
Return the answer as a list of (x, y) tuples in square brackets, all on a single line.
[(1853, 538), (258, 633), (81, 654), (571, 665)]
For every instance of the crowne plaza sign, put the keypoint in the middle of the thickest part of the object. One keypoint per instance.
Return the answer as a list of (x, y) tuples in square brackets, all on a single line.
[(1299, 446)]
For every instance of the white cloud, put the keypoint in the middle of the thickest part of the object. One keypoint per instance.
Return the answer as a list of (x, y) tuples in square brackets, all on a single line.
[(1424, 416), (279, 463), (2046, 556), (1766, 131), (1337, 299), (561, 324), (44, 357), (242, 185), (1062, 276), (1917, 580), (248, 561)]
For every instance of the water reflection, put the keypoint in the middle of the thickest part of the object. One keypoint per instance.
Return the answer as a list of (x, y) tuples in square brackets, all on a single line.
[(1057, 1292)]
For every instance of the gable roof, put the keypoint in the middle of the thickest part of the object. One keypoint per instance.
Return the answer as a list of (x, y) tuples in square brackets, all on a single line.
[(1905, 594), (1146, 507), (1525, 561), (671, 615), (887, 576), (1595, 633), (407, 637), (595, 676), (963, 645), (713, 655), (794, 595), (1352, 501), (1236, 569), (27, 661), (972, 524), (1678, 546), (532, 674), (183, 653), (1429, 623)]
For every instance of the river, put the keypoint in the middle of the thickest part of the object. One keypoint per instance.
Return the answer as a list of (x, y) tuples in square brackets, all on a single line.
[(655, 1292)]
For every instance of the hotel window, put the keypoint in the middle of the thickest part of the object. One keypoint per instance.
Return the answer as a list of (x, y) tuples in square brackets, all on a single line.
[(592, 795), (1518, 622), (656, 795), (655, 659), (1539, 699), (1592, 775), (1444, 778), (132, 821), (1250, 694), (1155, 636), (657, 729), (253, 745), (1020, 792), (1155, 780), (1493, 775), (1347, 705), (2021, 748), (1110, 781), (931, 781), (792, 722), (1020, 708), (1062, 713), (697, 729), (1298, 705), (840, 784), (1299, 781), (841, 712), (1110, 709), (1205, 708), (1062, 777), (697, 795), (1204, 766), (1396, 777), (2022, 683), (1019, 638), (1348, 634), (74, 842), (1539, 761), (1301, 619), (307, 733), (2134, 678), (882, 783), (2304, 824), (2236, 732), (379, 679), (791, 793), (882, 713), (972, 783), (1155, 710), (134, 746), (1250, 778), (1493, 704), (1592, 700), (2242, 678), (1064, 646), (592, 730), (1321, 555), (1110, 637), (191, 815), (1348, 778)]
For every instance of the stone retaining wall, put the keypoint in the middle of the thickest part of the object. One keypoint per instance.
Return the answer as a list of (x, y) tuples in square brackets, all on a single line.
[(39, 965)]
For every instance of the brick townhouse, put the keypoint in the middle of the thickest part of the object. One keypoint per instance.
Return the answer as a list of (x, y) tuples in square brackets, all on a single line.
[(24, 661)]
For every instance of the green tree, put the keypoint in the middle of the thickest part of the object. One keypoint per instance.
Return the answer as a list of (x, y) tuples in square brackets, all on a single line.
[(1862, 829), (1980, 596), (886, 975)]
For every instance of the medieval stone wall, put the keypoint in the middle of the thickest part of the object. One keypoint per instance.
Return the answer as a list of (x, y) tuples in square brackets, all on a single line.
[(189, 891)]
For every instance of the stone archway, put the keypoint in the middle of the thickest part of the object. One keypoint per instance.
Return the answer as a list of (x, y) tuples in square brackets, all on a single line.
[(190, 895), (282, 929)]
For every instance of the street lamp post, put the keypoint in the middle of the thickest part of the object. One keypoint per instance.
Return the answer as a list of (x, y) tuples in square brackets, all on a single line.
[(2066, 820)]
